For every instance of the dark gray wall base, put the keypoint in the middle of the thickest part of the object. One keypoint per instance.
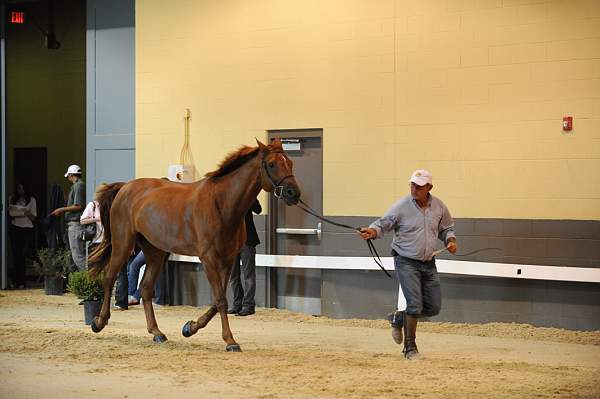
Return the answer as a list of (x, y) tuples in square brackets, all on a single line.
[(367, 294), (561, 304), (188, 285), (371, 295)]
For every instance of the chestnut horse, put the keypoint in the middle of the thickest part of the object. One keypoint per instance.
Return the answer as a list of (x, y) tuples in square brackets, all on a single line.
[(204, 219)]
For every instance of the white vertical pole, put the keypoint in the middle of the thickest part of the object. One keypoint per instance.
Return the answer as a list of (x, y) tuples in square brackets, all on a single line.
[(401, 299)]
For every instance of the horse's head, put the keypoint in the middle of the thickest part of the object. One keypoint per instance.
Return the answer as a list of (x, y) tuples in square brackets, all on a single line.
[(276, 173)]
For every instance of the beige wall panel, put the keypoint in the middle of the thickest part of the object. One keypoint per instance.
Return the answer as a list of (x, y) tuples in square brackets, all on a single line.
[(474, 90)]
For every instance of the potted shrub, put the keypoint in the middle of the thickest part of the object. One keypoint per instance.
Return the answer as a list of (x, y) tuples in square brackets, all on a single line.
[(53, 265), (90, 290)]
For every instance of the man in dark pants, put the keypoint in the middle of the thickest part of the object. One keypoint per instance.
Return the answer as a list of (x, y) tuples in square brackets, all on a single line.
[(243, 302), (418, 221)]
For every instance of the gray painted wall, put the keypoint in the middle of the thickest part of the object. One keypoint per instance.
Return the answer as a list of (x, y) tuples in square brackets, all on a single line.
[(110, 68), (466, 299)]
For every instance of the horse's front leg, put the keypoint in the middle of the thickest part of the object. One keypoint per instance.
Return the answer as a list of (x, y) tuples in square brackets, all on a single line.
[(100, 321), (155, 261)]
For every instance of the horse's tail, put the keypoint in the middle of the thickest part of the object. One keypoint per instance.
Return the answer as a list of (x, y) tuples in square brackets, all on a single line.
[(101, 255)]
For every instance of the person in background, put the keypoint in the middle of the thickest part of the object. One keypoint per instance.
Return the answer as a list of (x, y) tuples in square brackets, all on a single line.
[(22, 210), (51, 224), (91, 214), (418, 221), (133, 272), (133, 275), (72, 211), (243, 297)]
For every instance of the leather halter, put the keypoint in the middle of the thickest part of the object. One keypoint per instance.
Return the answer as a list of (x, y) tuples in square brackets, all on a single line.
[(277, 187)]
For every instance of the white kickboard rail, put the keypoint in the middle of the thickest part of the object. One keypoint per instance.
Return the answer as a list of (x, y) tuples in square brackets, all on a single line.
[(487, 269)]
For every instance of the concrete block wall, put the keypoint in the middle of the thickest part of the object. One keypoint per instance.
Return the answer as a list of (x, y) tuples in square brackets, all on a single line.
[(474, 91)]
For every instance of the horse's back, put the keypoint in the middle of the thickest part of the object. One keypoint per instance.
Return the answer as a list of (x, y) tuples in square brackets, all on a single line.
[(146, 186), (161, 210)]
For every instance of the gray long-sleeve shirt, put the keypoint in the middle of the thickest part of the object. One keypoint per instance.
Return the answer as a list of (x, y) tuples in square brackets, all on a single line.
[(76, 197), (416, 230)]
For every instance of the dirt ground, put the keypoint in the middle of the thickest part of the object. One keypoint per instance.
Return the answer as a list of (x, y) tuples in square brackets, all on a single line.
[(47, 352)]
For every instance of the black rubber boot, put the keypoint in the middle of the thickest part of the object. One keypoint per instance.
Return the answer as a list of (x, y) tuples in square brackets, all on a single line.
[(396, 321), (410, 336)]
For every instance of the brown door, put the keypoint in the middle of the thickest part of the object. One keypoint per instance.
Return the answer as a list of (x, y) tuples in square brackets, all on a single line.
[(293, 232)]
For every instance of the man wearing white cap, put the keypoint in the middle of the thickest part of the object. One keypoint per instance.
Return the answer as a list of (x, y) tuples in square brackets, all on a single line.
[(75, 205), (418, 221)]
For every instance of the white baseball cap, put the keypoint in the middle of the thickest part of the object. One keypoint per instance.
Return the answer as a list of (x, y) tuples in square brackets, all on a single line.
[(421, 177), (73, 169)]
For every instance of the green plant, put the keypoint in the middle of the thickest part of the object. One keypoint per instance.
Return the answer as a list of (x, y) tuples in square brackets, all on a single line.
[(52, 263), (86, 287)]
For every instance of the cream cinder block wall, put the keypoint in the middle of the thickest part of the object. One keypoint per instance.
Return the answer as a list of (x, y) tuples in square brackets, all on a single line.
[(474, 91)]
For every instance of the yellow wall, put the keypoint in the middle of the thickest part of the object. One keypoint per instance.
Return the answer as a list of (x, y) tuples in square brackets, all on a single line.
[(473, 90)]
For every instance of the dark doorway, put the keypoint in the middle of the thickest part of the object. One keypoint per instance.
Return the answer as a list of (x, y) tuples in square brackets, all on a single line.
[(31, 168)]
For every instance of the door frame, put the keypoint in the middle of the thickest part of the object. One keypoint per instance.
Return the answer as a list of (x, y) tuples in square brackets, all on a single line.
[(3, 268), (271, 225)]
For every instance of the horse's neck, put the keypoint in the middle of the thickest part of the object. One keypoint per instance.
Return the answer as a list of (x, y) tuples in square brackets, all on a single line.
[(243, 185)]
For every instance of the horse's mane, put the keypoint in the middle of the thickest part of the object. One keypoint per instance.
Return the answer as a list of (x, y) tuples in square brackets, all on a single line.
[(233, 161)]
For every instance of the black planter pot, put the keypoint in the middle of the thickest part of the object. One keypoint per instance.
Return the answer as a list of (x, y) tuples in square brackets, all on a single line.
[(53, 285), (91, 309)]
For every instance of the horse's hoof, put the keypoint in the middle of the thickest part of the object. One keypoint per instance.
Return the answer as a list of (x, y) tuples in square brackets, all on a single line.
[(95, 327), (159, 339), (233, 348), (187, 329)]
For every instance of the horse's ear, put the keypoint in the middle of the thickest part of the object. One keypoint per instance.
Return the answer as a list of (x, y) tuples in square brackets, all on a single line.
[(263, 148), (277, 143)]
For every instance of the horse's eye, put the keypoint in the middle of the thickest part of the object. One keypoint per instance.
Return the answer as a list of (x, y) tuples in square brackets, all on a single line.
[(271, 164)]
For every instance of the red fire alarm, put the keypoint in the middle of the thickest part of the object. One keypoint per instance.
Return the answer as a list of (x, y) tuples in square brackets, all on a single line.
[(567, 123)]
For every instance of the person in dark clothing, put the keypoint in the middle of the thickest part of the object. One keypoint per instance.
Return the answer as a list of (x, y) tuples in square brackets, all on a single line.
[(51, 223), (243, 297), (22, 209)]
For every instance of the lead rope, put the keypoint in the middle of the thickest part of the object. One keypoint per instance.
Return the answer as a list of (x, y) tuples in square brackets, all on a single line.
[(439, 251), (306, 208)]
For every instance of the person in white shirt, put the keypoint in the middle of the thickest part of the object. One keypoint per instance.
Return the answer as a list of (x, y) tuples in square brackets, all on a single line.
[(91, 214), (22, 210)]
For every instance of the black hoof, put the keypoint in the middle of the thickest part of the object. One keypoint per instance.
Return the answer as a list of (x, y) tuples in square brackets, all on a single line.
[(187, 329), (159, 339), (233, 348), (95, 327)]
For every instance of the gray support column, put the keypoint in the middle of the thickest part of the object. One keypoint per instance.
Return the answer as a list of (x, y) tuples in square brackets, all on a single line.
[(3, 254), (110, 92)]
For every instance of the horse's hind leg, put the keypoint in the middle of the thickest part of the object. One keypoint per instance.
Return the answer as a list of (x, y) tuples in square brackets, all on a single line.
[(217, 277), (155, 261), (218, 283), (121, 249), (191, 327)]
